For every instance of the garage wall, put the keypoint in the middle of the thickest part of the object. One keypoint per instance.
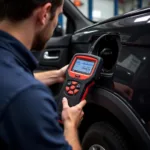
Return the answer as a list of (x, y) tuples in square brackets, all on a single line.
[(104, 9), (128, 6)]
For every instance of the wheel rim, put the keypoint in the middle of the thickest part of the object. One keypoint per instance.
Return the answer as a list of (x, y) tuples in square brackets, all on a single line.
[(97, 147)]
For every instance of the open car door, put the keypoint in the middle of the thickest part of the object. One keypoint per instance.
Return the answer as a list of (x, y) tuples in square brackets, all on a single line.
[(56, 53)]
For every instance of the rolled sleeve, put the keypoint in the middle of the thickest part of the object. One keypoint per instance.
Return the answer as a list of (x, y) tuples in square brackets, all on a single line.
[(31, 121)]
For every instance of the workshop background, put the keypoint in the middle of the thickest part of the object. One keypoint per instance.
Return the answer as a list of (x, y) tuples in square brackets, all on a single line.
[(100, 10)]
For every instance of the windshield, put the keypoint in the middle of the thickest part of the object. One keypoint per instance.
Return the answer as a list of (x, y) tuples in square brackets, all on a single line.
[(100, 10)]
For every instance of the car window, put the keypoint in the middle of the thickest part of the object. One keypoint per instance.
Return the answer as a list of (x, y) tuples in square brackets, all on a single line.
[(61, 27), (63, 22), (100, 10)]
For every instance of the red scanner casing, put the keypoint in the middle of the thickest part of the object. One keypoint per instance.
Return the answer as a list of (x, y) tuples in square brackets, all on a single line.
[(77, 84)]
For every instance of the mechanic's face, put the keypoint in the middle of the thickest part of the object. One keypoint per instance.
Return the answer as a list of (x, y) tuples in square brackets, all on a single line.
[(48, 26)]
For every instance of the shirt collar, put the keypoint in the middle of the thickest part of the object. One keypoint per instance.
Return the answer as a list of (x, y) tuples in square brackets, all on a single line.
[(13, 45)]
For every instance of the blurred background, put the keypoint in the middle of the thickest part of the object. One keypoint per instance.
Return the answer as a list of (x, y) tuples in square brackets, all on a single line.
[(99, 10)]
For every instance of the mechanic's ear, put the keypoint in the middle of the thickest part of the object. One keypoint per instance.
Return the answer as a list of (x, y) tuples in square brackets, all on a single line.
[(44, 13)]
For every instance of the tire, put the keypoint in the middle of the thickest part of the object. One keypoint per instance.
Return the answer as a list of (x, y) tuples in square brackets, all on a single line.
[(103, 136)]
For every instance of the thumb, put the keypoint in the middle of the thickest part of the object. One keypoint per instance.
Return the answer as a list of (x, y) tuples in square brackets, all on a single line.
[(82, 104), (65, 103)]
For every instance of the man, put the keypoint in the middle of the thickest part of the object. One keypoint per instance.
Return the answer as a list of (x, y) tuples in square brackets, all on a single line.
[(28, 113)]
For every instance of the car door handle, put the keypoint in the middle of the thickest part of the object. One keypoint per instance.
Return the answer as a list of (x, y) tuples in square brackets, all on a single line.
[(47, 57)]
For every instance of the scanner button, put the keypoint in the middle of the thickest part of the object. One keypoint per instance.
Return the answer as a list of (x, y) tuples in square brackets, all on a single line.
[(69, 83), (72, 87), (78, 86), (67, 88), (76, 91), (77, 76), (74, 82), (70, 92)]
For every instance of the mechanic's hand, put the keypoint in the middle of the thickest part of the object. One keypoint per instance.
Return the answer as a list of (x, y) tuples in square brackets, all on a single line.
[(61, 75), (72, 116)]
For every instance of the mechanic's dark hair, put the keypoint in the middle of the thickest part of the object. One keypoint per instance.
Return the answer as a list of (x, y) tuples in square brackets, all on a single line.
[(17, 10)]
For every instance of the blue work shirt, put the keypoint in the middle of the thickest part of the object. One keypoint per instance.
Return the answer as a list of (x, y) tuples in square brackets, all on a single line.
[(28, 112)]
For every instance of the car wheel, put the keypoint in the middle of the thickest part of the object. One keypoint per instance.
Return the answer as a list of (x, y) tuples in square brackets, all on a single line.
[(103, 136)]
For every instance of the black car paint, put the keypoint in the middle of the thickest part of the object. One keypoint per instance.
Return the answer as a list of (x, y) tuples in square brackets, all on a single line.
[(135, 49), (132, 68), (118, 106)]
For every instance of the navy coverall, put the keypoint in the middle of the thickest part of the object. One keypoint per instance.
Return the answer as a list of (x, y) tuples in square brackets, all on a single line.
[(28, 118)]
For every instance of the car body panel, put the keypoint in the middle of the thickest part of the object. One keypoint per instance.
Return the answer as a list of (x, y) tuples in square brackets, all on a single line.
[(133, 63), (120, 108)]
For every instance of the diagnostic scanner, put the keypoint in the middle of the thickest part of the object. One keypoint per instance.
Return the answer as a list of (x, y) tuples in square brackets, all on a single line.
[(83, 71)]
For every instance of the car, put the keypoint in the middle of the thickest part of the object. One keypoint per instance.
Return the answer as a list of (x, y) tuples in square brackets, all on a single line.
[(117, 114)]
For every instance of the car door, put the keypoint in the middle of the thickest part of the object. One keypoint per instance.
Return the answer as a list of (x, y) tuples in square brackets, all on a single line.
[(57, 49)]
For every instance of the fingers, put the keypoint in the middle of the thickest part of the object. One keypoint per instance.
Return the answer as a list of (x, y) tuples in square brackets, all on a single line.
[(65, 103), (63, 70), (61, 79), (82, 114), (81, 117), (82, 104), (65, 67)]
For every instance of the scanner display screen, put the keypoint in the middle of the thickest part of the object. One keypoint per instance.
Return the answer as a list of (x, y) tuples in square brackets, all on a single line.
[(83, 66)]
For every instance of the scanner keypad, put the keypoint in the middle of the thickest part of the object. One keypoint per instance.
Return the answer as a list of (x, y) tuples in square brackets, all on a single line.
[(72, 87)]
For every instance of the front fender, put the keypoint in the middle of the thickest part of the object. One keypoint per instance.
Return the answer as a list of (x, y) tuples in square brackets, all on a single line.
[(123, 112)]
